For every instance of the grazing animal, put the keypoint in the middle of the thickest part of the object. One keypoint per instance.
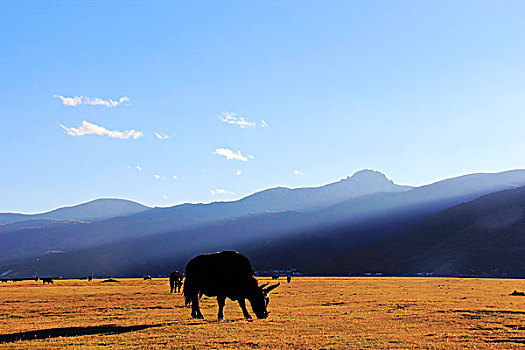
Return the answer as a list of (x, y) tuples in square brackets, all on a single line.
[(47, 280), (175, 281), (517, 293), (147, 278), (289, 278), (275, 277), (90, 278), (226, 274)]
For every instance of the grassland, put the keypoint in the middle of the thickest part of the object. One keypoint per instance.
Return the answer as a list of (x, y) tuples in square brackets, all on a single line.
[(309, 313)]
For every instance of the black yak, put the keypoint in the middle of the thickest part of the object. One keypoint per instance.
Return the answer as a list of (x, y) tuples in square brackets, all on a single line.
[(147, 278), (175, 281), (226, 274), (47, 280)]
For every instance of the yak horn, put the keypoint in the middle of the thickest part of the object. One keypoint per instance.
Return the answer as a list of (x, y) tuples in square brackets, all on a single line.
[(270, 288)]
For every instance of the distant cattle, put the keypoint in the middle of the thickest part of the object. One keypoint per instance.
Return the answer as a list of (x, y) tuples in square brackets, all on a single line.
[(90, 278), (175, 281), (47, 280), (110, 280), (226, 274), (275, 277), (289, 278), (147, 278)]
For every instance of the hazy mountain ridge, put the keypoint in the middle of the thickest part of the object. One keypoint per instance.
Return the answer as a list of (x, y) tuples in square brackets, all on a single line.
[(316, 241), (97, 209), (31, 239), (484, 236), (282, 198)]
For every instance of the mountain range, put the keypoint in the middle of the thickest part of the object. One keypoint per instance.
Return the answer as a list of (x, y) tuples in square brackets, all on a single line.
[(97, 209), (344, 227)]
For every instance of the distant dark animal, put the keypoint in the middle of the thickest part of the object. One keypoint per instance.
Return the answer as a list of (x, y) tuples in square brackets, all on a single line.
[(90, 278), (289, 278), (226, 274), (175, 281), (517, 293), (4, 280), (47, 280), (147, 278), (110, 280), (275, 277)]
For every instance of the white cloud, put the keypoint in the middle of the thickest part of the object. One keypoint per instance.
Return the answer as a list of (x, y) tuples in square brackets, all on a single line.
[(231, 118), (229, 154), (81, 100), (221, 191), (234, 119), (87, 128), (238, 172), (70, 101), (138, 168), (157, 176), (165, 197), (174, 177), (250, 156), (161, 136), (298, 172)]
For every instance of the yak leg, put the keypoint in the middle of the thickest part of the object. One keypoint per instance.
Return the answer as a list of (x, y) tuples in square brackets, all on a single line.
[(221, 299), (242, 304), (195, 310)]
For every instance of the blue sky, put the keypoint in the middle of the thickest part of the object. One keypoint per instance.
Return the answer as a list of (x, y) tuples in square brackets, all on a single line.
[(419, 90)]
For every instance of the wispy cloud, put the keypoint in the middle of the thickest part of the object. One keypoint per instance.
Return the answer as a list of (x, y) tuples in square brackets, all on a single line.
[(229, 154), (231, 118), (174, 177), (138, 168), (238, 172), (161, 136), (221, 191), (298, 172), (87, 128), (234, 119), (165, 197), (157, 176), (82, 100)]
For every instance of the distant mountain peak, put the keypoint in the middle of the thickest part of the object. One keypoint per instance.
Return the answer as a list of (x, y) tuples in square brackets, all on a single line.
[(367, 178), (368, 172)]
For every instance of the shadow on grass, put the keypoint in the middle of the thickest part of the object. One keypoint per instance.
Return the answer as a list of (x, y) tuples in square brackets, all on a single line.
[(74, 332), (204, 321)]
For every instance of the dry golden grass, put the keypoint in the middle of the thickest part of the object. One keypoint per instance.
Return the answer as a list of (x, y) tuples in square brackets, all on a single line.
[(309, 313)]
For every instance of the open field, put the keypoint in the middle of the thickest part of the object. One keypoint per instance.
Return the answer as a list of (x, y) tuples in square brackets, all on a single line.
[(308, 313)]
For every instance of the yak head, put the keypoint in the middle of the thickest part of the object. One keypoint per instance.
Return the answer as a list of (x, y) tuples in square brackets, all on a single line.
[(260, 300)]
